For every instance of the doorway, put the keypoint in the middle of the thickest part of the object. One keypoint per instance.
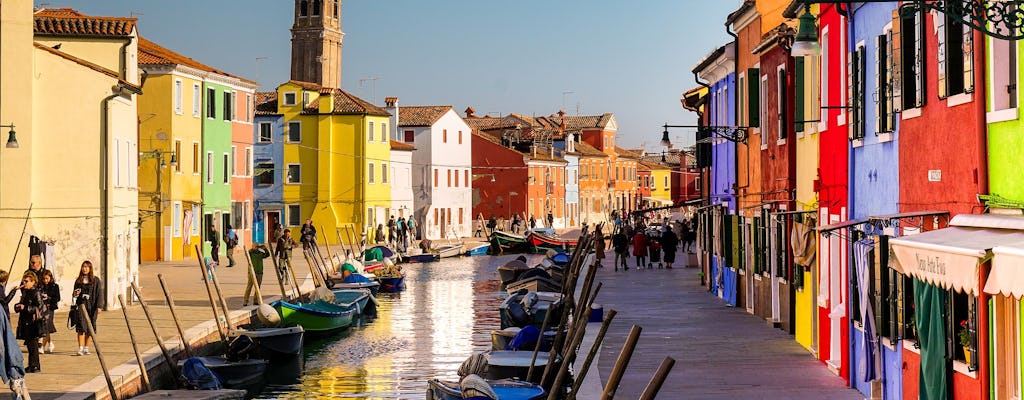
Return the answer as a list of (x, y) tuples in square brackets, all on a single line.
[(1007, 348), (273, 218)]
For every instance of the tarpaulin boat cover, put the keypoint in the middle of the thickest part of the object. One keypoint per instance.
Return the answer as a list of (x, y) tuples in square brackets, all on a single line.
[(929, 301), (862, 253)]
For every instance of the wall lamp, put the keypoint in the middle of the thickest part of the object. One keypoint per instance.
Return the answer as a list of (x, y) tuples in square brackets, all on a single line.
[(12, 141), (736, 134), (144, 155)]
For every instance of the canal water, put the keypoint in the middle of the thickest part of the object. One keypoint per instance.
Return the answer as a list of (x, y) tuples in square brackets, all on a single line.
[(446, 313)]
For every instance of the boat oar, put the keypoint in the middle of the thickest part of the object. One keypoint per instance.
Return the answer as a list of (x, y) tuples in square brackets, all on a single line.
[(223, 303), (621, 363), (209, 293), (654, 386), (536, 347), (252, 278), (316, 276), (295, 278), (135, 346), (277, 273), (328, 246), (556, 388), (156, 332), (582, 373), (174, 314), (99, 354)]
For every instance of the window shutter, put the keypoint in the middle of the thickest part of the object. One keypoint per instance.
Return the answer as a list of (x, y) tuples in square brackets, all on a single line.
[(753, 97), (940, 27), (798, 99), (850, 94), (896, 62), (919, 71), (881, 85), (862, 68), (740, 259), (968, 50), (880, 291), (755, 239), (783, 84), (734, 242), (854, 296)]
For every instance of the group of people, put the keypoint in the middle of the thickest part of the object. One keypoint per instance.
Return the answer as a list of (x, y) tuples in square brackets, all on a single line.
[(514, 224), (37, 308), (650, 245), (399, 232)]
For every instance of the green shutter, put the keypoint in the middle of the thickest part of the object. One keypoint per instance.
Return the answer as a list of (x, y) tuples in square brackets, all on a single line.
[(798, 102), (753, 97)]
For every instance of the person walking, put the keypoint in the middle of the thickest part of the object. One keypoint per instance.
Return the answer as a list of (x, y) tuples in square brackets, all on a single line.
[(257, 254), (551, 220), (87, 295), (307, 235), (654, 249), (492, 224), (230, 242), (379, 237), (412, 228), (31, 318), (284, 254), (277, 233), (13, 370), (533, 222), (35, 265), (51, 292), (640, 248), (669, 244), (215, 244), (391, 231), (5, 298), (620, 244), (599, 247)]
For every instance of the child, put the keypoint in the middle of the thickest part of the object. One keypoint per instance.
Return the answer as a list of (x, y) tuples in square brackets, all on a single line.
[(655, 249), (51, 293)]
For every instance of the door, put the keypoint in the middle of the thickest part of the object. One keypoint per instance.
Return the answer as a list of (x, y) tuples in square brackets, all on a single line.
[(444, 222), (1007, 348), (273, 218), (748, 276), (836, 307), (776, 267)]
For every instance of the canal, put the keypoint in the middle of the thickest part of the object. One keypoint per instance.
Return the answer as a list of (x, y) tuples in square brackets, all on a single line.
[(447, 312)]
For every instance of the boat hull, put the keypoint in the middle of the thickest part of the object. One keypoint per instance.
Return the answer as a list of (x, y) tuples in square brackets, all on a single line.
[(504, 364), (243, 374), (392, 284), (508, 243), (449, 251), (514, 315), (274, 344), (479, 250), (506, 389), (317, 319), (358, 299), (547, 242), (534, 284), (420, 258)]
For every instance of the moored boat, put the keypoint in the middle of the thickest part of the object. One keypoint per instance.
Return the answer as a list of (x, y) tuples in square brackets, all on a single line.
[(506, 389), (449, 250), (510, 271), (539, 240), (241, 374), (478, 250), (359, 299), (523, 309), (506, 364), (507, 242), (392, 283), (420, 258), (317, 319), (274, 343)]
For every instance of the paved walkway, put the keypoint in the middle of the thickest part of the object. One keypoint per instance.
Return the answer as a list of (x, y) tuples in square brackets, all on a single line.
[(721, 352)]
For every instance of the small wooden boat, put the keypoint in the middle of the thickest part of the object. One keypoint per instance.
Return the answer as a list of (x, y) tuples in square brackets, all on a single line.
[(420, 258), (450, 250), (478, 250), (366, 281), (534, 284), (317, 319), (358, 299), (241, 374), (510, 271), (505, 364), (392, 283), (274, 343), (508, 242), (506, 389), (523, 309), (500, 339), (539, 240)]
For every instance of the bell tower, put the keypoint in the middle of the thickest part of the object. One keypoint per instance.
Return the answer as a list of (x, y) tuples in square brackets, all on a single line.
[(316, 42)]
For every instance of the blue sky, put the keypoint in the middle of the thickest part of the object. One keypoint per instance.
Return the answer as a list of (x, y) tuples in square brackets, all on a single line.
[(630, 58)]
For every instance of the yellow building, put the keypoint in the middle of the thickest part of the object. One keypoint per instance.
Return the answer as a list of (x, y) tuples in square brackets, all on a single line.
[(72, 181), (661, 188), (335, 161)]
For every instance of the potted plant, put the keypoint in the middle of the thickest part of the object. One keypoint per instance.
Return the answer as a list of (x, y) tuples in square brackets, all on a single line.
[(965, 340)]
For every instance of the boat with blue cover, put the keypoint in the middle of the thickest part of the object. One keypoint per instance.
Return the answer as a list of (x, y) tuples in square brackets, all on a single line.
[(478, 250), (359, 299), (506, 389)]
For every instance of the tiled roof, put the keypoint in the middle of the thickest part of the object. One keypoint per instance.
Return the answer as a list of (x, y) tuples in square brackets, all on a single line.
[(346, 104), (87, 64), (309, 86), (266, 103), (151, 53), (771, 38), (482, 123), (627, 153), (396, 145), (70, 22), (420, 115), (587, 150)]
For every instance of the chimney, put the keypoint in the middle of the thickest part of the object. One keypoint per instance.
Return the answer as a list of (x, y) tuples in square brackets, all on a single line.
[(561, 113), (470, 112), (570, 143), (551, 151), (391, 106)]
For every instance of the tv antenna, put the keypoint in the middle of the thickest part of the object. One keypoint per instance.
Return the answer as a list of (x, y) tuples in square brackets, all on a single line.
[(373, 89)]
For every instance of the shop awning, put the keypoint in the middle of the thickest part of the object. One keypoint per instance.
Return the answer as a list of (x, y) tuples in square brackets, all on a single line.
[(949, 257), (657, 200), (1007, 275)]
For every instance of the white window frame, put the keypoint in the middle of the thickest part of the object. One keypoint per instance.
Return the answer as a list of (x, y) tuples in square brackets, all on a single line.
[(248, 107), (212, 106), (234, 105), (823, 66), (288, 135), (178, 95), (234, 161), (370, 173), (197, 100), (196, 214), (285, 95), (781, 97), (1001, 114), (288, 215), (176, 219), (369, 132), (270, 131), (287, 174), (763, 109), (841, 120)]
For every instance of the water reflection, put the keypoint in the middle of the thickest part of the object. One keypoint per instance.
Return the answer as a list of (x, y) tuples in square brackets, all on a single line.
[(447, 313)]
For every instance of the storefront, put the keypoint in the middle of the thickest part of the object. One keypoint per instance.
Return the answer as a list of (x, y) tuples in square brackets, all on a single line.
[(947, 352)]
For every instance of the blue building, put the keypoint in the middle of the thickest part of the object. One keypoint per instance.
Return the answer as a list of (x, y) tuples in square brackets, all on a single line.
[(268, 154)]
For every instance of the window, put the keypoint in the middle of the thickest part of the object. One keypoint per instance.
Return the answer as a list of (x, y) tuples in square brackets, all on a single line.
[(962, 310), (435, 177), (237, 215), (410, 136), (334, 5), (248, 107), (908, 60), (294, 175), (460, 142), (195, 158), (444, 136), (855, 91), (265, 173), (294, 131), (209, 167), (197, 99), (227, 168), (195, 219), (449, 178), (783, 105), (753, 108), (289, 98), (799, 94), (370, 173), (211, 103), (294, 215), (177, 155), (456, 173), (248, 162), (465, 177), (762, 109), (229, 106), (1004, 74), (177, 96), (176, 219), (316, 8), (384, 132), (234, 161), (304, 8), (886, 114), (369, 133), (955, 56), (266, 133), (666, 182), (384, 172), (825, 82)]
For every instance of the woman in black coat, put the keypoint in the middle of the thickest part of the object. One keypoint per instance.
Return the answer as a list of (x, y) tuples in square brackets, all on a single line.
[(88, 293), (31, 318), (51, 291)]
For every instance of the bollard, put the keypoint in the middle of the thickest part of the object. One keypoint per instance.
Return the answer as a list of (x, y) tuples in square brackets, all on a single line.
[(654, 386), (621, 363), (135, 346)]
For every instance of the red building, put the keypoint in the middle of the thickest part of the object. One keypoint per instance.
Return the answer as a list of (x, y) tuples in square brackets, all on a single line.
[(511, 178)]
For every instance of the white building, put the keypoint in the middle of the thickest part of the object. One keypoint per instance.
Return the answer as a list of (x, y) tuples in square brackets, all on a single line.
[(441, 168), (401, 179)]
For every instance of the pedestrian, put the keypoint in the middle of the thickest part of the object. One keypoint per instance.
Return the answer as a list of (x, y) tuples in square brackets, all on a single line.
[(379, 237), (51, 292), (501, 224), (640, 248), (669, 242), (230, 242), (277, 233), (391, 231), (87, 295), (256, 254), (412, 228), (599, 247), (533, 223), (492, 224), (215, 244), (654, 248), (517, 224), (13, 363), (620, 244), (284, 254), (31, 318), (551, 220), (35, 265), (402, 234), (479, 232), (307, 235)]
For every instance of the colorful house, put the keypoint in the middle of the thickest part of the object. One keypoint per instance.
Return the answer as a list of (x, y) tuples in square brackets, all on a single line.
[(218, 105), (268, 183), (241, 161)]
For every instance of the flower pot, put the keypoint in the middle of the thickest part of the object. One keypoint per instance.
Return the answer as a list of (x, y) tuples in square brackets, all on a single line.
[(967, 354)]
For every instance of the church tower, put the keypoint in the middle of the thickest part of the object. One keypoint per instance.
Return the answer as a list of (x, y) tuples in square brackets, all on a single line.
[(316, 42)]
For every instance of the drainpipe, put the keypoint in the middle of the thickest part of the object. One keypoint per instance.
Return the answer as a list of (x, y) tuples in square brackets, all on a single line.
[(736, 106)]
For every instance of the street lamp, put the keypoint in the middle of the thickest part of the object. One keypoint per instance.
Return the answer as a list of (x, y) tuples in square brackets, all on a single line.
[(736, 134), (145, 155), (806, 43), (12, 141)]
